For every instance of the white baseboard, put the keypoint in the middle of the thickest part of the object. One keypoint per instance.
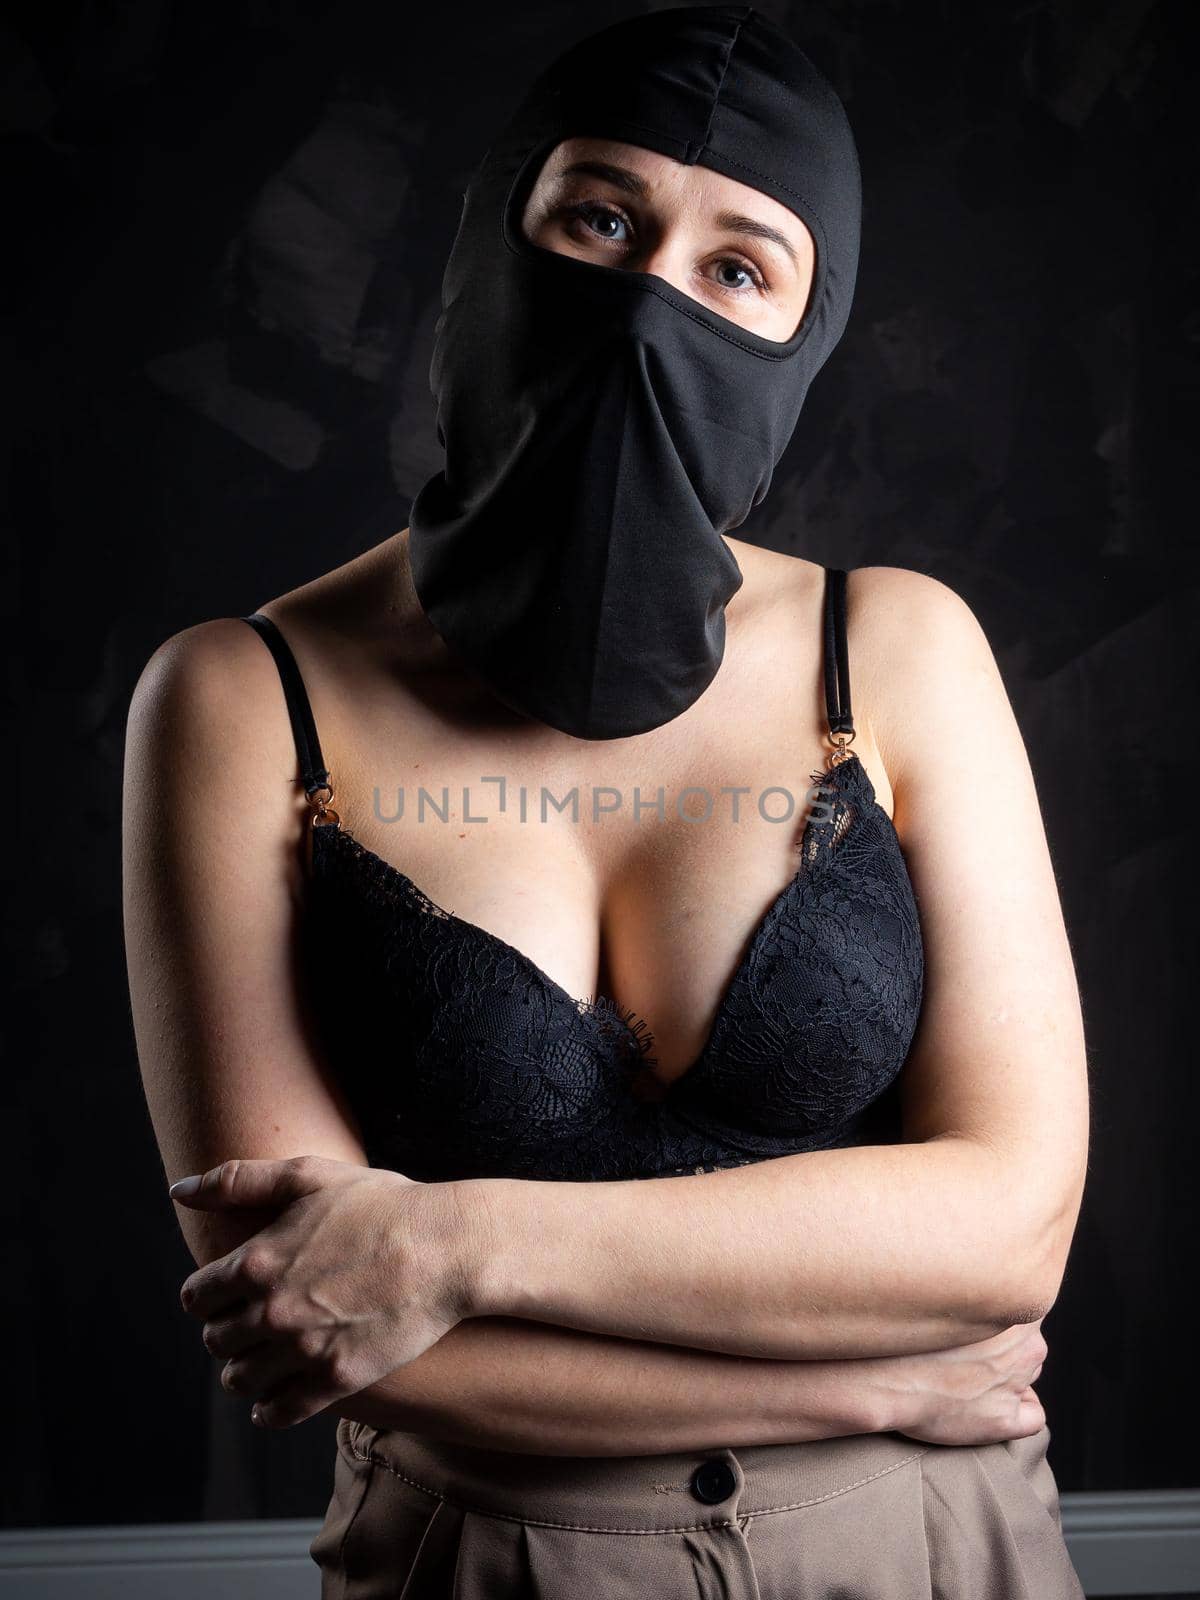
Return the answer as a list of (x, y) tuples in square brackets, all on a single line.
[(1144, 1543)]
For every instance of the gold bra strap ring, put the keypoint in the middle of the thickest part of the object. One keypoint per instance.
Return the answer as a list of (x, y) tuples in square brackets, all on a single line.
[(322, 812)]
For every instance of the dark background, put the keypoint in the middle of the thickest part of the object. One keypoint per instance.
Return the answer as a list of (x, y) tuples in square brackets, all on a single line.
[(227, 226)]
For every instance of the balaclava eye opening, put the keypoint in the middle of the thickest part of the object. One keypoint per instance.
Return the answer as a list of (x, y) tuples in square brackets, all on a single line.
[(603, 429)]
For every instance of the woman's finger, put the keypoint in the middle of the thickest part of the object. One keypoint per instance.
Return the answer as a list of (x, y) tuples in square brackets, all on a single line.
[(261, 1370), (240, 1277), (1032, 1416), (231, 1335), (257, 1183), (295, 1400)]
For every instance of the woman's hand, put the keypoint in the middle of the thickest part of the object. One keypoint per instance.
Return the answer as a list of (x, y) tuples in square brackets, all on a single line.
[(971, 1394), (360, 1273)]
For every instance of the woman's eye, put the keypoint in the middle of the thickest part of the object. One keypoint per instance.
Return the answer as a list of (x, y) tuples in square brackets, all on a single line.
[(598, 219), (736, 266), (588, 210)]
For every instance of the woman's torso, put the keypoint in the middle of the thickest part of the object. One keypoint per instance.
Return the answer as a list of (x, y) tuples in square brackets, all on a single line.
[(633, 882)]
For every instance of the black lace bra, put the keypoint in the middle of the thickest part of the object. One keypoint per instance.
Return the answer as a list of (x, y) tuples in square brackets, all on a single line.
[(461, 1058)]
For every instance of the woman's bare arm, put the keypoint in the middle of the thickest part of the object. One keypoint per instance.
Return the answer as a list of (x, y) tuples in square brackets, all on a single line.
[(506, 1384), (212, 876), (875, 1249)]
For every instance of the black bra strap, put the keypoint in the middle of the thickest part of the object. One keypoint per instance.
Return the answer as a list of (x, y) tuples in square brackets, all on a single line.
[(837, 664), (313, 771)]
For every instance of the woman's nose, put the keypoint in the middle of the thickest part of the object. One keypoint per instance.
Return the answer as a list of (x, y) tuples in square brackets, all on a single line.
[(663, 260)]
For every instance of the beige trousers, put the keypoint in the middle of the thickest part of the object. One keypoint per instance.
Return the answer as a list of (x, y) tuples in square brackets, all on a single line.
[(866, 1517)]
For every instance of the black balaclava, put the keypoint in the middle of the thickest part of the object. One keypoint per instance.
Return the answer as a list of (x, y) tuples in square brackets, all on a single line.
[(602, 429)]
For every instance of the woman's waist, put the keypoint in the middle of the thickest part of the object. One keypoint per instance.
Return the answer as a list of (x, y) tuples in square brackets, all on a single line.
[(649, 1493)]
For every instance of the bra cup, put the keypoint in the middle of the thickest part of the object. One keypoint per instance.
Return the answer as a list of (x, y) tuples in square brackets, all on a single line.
[(821, 1020)]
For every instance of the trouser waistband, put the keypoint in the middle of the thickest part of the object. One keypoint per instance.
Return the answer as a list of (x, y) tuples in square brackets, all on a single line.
[(685, 1489)]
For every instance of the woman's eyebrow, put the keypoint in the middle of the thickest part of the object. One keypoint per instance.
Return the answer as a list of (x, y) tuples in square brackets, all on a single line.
[(735, 223), (622, 177), (732, 221)]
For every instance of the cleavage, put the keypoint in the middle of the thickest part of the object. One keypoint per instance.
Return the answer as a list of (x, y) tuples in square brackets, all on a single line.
[(663, 942)]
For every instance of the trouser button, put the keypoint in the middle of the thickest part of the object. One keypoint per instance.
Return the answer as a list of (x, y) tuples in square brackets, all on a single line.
[(712, 1481)]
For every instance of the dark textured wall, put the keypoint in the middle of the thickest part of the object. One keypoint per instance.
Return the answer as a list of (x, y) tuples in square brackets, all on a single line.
[(227, 229)]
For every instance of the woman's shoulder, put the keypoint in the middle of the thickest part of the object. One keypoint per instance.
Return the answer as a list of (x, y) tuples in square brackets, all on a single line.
[(919, 593), (921, 662), (222, 660), (776, 570), (912, 642), (209, 671), (203, 718), (893, 614), (901, 616), (211, 696)]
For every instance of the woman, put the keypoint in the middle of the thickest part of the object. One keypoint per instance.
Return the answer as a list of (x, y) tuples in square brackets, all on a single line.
[(411, 1142)]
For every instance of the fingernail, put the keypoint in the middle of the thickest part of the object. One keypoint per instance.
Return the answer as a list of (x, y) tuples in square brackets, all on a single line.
[(185, 1186)]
